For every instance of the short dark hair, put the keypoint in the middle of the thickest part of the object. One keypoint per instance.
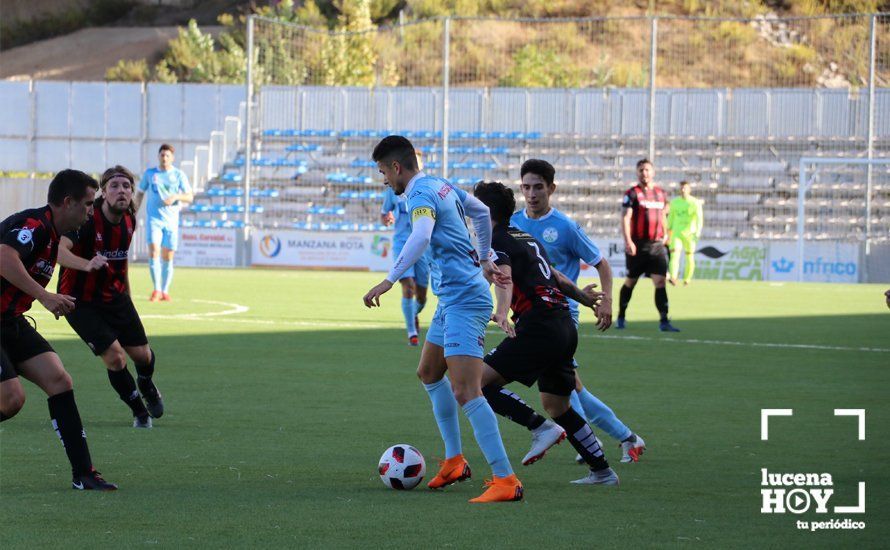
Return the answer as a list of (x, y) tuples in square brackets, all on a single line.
[(684, 182), (644, 161), (538, 167), (166, 147), (396, 148), (498, 198), (69, 183)]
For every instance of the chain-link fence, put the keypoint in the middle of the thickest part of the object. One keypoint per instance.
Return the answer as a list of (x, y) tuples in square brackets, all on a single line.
[(728, 104)]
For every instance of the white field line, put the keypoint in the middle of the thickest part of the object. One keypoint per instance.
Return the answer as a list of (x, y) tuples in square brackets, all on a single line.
[(218, 317)]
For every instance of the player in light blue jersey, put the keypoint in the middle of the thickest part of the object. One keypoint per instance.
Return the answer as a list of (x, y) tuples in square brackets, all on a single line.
[(456, 338), (416, 278), (166, 187), (567, 245)]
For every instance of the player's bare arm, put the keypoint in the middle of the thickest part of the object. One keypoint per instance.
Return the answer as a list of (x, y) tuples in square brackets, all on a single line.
[(604, 308), (503, 295), (629, 245), (13, 270), (69, 259)]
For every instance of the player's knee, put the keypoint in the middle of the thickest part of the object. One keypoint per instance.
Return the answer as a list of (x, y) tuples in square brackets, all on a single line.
[(463, 393), (59, 382), (141, 355), (115, 359), (630, 283), (13, 399), (427, 375)]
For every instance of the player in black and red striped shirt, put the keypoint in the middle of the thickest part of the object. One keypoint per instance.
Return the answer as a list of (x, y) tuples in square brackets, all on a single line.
[(643, 226), (542, 346), (94, 271), (29, 243)]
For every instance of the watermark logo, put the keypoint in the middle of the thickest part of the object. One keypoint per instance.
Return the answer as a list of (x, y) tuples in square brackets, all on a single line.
[(798, 493), (380, 246)]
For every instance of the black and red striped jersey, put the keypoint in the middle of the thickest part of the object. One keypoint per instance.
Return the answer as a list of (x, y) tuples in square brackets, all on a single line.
[(648, 208), (33, 235), (534, 285), (99, 236)]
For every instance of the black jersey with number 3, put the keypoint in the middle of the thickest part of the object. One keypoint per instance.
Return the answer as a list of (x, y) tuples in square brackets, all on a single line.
[(32, 233), (535, 288)]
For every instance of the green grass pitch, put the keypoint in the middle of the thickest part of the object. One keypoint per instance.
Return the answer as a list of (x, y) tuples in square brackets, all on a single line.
[(282, 390)]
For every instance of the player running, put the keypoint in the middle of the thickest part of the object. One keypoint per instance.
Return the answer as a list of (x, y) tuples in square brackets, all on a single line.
[(167, 188), (567, 245), (684, 224), (29, 241), (416, 279), (642, 225), (456, 337), (541, 347), (94, 271)]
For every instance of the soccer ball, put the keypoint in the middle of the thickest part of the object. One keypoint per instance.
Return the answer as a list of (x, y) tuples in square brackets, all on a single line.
[(401, 467)]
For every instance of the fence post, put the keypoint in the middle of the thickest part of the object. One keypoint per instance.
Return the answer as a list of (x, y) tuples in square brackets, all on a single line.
[(870, 143), (653, 48), (446, 69), (248, 116)]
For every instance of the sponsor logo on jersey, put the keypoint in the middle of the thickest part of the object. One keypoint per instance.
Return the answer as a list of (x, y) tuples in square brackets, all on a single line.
[(43, 268), (654, 205), (115, 254), (444, 190)]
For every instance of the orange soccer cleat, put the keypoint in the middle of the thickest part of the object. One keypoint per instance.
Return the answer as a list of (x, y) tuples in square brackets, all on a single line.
[(451, 471), (166, 297), (155, 296), (501, 489)]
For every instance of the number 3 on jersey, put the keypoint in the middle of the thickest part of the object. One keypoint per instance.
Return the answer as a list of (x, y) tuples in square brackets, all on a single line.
[(542, 263)]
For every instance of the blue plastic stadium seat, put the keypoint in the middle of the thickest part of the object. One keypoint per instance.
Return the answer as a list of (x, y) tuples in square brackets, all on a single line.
[(231, 176), (300, 147), (359, 163)]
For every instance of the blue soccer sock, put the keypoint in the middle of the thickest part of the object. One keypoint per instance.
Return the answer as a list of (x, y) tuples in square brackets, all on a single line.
[(445, 411), (154, 267), (600, 415), (408, 312), (418, 307), (485, 428), (166, 275)]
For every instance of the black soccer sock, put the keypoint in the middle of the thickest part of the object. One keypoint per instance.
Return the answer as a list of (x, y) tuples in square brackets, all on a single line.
[(582, 439), (146, 370), (4, 417), (624, 299), (123, 383), (661, 303), (511, 406), (69, 428)]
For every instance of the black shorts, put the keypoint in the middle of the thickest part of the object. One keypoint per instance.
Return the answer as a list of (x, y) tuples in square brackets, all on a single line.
[(99, 324), (651, 259), (541, 352), (19, 341)]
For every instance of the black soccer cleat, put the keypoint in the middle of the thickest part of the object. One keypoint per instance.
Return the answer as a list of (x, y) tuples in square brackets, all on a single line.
[(153, 400), (92, 481)]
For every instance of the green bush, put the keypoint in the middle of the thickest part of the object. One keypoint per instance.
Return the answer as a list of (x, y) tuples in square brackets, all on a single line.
[(128, 70)]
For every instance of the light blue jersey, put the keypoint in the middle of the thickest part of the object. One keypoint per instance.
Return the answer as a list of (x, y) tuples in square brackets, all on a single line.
[(398, 205), (158, 185), (565, 242), (452, 251)]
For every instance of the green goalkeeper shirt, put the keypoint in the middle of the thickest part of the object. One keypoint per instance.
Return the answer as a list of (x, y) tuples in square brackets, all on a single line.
[(685, 216)]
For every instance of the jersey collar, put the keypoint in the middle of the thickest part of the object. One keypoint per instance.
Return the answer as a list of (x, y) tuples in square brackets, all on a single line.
[(410, 185), (542, 218)]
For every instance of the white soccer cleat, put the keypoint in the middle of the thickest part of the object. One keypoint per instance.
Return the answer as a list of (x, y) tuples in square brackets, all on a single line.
[(602, 477), (544, 436), (142, 422), (632, 450)]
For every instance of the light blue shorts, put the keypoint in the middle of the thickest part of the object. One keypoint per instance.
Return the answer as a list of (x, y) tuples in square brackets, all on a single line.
[(160, 233), (460, 329), (420, 271)]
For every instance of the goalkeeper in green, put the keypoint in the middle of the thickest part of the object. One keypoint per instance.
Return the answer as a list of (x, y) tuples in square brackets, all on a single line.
[(684, 225)]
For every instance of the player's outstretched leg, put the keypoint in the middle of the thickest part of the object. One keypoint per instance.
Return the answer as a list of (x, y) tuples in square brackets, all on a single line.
[(690, 267), (584, 441), (600, 415), (624, 297), (466, 373), (123, 383), (545, 433), (47, 372), (144, 361)]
